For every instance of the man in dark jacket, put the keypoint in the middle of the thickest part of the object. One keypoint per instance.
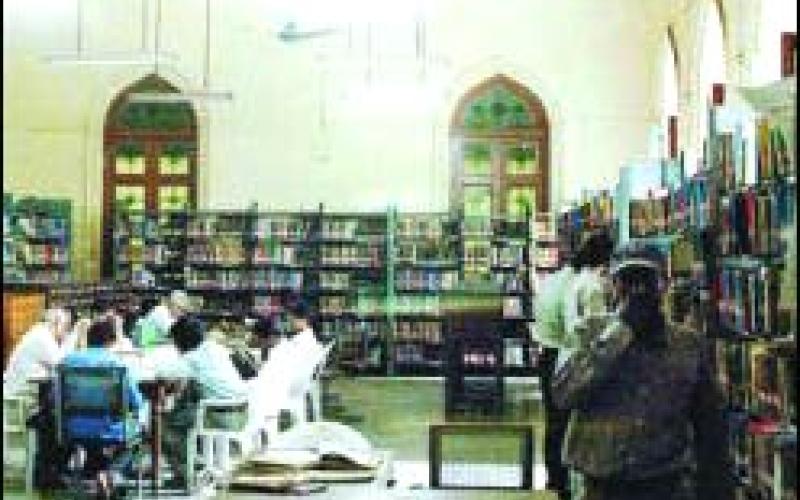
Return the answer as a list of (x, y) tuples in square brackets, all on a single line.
[(647, 416)]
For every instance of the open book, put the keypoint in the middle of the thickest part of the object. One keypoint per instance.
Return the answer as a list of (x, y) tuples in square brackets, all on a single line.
[(318, 446)]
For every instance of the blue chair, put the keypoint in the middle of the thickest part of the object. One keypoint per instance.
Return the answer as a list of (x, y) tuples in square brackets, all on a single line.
[(91, 407)]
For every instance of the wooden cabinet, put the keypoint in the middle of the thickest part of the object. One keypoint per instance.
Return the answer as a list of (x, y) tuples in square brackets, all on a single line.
[(21, 309)]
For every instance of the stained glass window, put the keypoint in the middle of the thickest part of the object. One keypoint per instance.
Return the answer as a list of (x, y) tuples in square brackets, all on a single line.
[(497, 108), (150, 156), (501, 136)]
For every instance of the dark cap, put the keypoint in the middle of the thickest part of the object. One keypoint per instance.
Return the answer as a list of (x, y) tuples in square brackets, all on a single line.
[(638, 256)]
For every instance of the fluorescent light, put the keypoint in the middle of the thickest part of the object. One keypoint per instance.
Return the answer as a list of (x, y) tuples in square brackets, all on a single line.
[(108, 58), (152, 97)]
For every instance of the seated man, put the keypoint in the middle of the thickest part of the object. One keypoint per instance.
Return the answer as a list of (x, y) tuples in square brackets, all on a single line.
[(153, 328), (100, 337), (39, 350), (210, 373), (302, 335)]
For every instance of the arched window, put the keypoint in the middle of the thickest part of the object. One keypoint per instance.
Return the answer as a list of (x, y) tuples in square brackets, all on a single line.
[(712, 67), (150, 156), (777, 17), (500, 141), (669, 86)]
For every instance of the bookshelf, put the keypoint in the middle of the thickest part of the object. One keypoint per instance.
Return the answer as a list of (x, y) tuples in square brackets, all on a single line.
[(36, 240), (348, 287), (752, 205), (424, 267)]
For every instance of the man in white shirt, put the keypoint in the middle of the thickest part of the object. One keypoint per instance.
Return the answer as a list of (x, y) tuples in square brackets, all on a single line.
[(210, 374), (566, 300), (303, 340), (37, 351)]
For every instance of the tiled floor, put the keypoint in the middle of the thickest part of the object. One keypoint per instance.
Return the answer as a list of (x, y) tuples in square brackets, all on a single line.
[(396, 414)]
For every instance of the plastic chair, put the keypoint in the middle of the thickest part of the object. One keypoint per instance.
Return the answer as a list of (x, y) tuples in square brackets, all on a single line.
[(212, 448), (98, 393), (300, 385), (16, 409), (316, 385)]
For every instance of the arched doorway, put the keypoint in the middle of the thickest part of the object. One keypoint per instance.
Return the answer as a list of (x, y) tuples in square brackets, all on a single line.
[(500, 140), (149, 157)]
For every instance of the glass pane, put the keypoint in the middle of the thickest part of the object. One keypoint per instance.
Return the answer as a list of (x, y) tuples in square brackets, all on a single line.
[(477, 160), (520, 200), (173, 197), (173, 165), (477, 201), (522, 159), (129, 197), (129, 165), (498, 108)]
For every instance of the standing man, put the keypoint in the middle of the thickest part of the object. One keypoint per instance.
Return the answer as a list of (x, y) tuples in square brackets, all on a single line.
[(647, 416), (566, 297)]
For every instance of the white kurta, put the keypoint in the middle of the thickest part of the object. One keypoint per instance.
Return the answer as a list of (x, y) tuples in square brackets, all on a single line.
[(36, 351)]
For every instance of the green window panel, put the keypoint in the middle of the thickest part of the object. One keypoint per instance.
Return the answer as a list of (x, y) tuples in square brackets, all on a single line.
[(173, 197), (477, 201), (523, 159), (174, 160), (497, 109), (173, 165), (129, 198), (477, 160), (520, 201), (129, 159)]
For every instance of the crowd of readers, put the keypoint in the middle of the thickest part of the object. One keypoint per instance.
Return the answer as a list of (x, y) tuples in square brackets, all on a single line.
[(202, 365)]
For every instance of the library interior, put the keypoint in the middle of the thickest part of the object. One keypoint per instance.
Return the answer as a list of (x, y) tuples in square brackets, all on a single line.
[(475, 258)]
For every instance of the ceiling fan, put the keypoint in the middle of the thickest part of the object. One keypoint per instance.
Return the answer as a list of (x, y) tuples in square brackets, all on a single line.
[(290, 33)]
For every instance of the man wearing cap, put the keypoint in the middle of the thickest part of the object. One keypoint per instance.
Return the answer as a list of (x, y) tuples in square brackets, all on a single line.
[(647, 416)]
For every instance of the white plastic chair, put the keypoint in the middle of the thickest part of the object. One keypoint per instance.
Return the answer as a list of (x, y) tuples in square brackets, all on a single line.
[(301, 384), (216, 451), (316, 385), (16, 409)]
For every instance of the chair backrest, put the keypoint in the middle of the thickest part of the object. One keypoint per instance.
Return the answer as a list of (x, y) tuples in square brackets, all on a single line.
[(90, 392)]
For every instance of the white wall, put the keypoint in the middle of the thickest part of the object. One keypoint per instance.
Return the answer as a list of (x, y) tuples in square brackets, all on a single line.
[(355, 120)]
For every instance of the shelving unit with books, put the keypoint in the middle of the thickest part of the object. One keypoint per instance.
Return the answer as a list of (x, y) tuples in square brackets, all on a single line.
[(150, 247), (217, 262), (577, 220), (36, 240), (425, 267), (497, 266), (348, 287), (281, 257), (755, 352)]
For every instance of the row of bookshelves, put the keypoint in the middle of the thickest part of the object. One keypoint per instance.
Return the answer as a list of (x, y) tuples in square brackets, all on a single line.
[(372, 279)]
